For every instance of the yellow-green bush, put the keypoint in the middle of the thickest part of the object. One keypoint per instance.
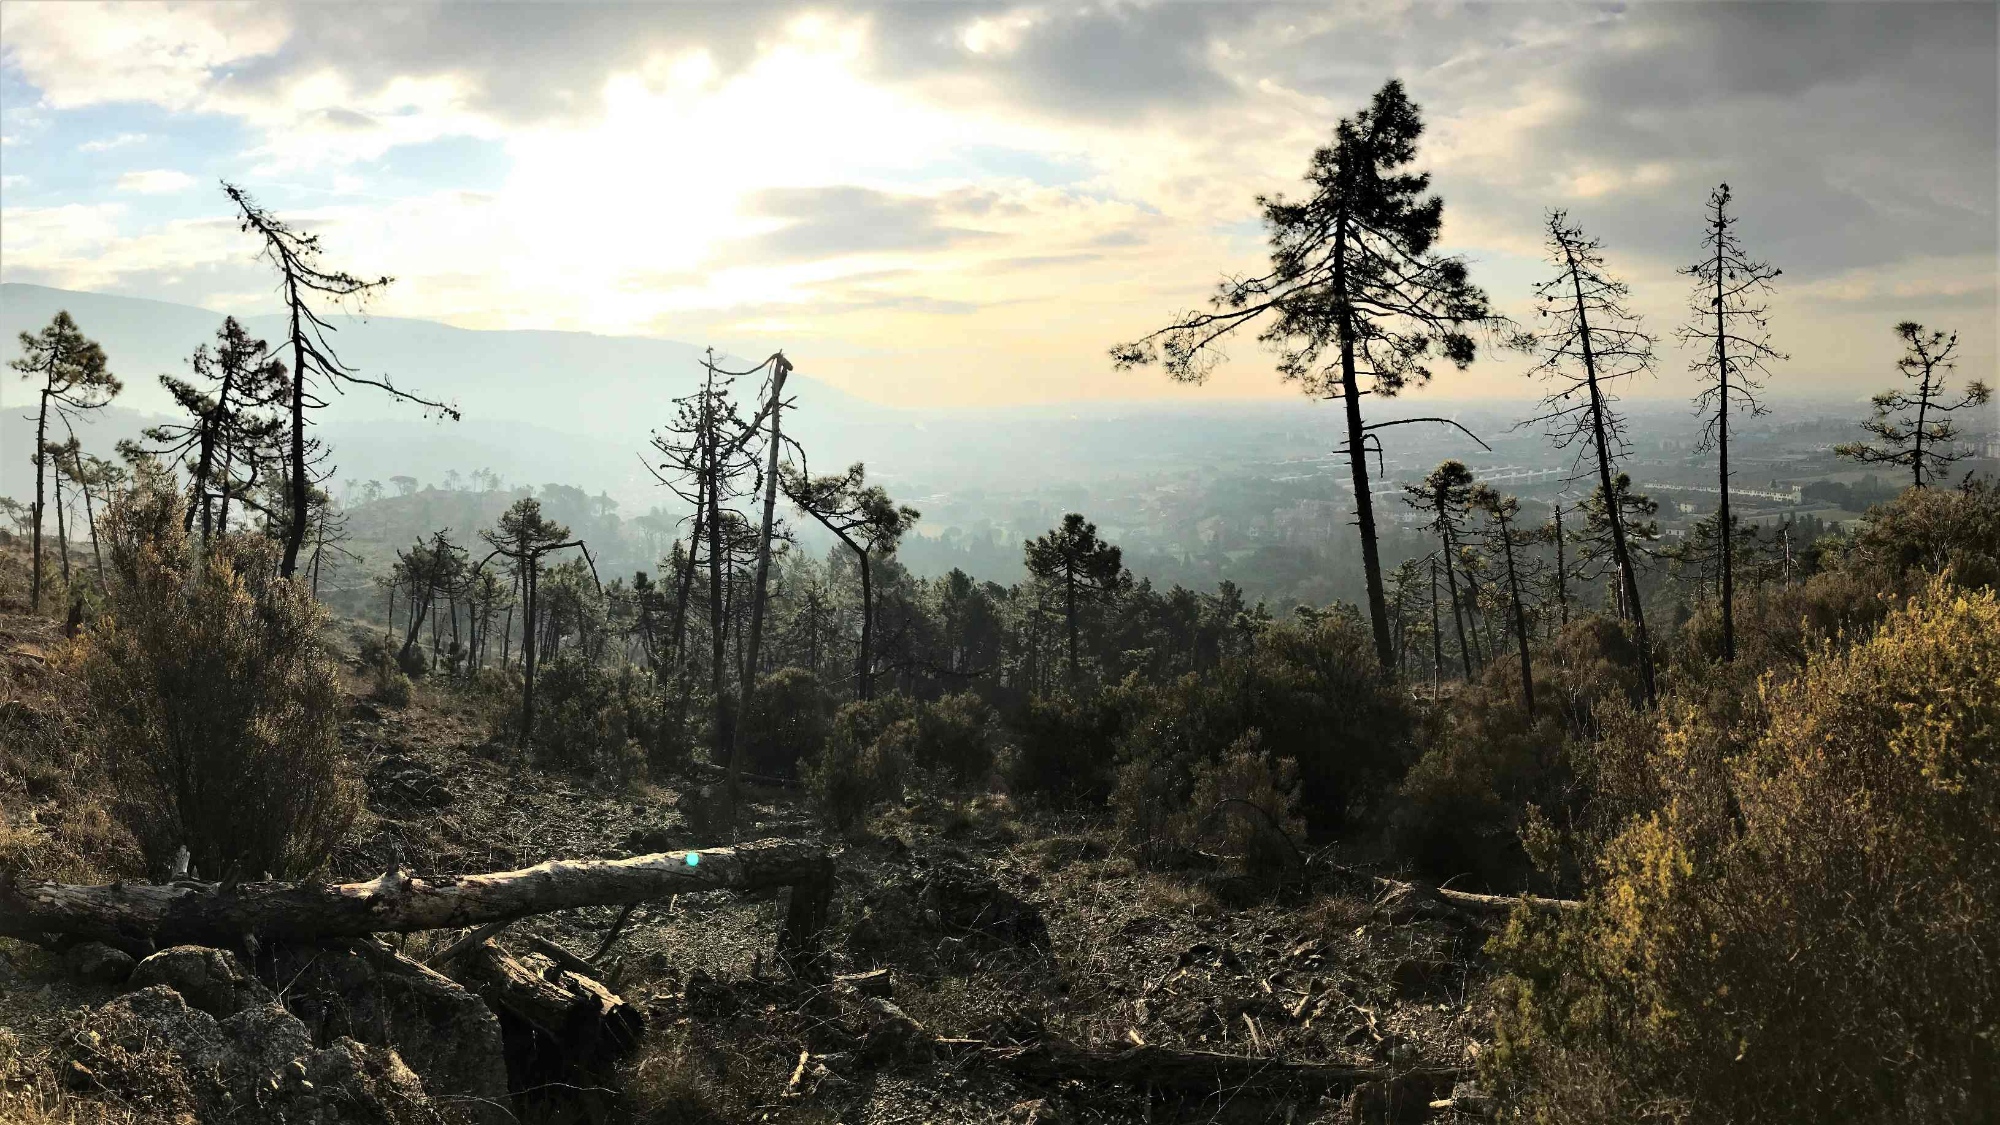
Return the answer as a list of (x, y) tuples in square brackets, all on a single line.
[(1807, 930)]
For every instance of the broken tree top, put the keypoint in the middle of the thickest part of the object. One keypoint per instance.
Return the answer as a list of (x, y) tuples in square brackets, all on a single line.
[(396, 901)]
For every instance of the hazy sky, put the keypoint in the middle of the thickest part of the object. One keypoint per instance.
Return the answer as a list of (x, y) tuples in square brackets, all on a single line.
[(954, 203)]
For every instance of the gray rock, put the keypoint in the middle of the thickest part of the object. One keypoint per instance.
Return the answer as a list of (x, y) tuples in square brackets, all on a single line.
[(212, 980), (443, 1032), (150, 1047), (97, 962)]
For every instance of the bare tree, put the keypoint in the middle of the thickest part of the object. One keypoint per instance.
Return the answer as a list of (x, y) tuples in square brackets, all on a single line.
[(1914, 427), (1730, 326), (1590, 341), (1355, 292), (73, 377), (295, 255), (774, 409)]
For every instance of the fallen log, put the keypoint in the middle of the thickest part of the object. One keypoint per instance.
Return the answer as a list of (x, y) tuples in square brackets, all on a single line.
[(578, 1014), (140, 915), (1483, 911)]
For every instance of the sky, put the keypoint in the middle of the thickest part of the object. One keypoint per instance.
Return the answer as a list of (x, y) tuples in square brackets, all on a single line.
[(967, 204)]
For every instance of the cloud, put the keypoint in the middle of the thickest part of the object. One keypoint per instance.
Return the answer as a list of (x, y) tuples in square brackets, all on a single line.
[(109, 143), (1048, 176), (830, 222), (156, 181)]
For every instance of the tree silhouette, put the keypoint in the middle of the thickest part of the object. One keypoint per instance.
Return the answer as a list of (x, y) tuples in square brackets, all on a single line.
[(863, 517), (295, 255), (238, 380), (1355, 291), (774, 409), (1446, 495), (1086, 568), (1914, 427), (1504, 511), (73, 377), (524, 536), (1591, 339), (1730, 325)]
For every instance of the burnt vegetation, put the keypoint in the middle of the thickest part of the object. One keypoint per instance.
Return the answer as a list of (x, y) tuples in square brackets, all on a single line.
[(1563, 824)]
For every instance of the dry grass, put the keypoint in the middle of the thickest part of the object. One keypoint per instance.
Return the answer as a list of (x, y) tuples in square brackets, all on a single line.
[(31, 1093)]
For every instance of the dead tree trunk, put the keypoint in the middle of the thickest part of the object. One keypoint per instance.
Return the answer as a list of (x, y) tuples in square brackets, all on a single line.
[(138, 915)]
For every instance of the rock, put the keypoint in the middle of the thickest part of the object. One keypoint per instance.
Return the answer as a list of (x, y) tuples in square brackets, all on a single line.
[(444, 1033), (212, 980), (970, 901), (96, 962), (150, 1047)]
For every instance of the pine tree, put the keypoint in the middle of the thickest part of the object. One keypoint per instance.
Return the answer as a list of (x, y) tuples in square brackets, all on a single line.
[(1914, 427), (863, 517), (1592, 340), (1355, 293), (73, 377), (1730, 326), (1504, 511), (1446, 494), (302, 281), (230, 422), (1085, 567), (524, 536)]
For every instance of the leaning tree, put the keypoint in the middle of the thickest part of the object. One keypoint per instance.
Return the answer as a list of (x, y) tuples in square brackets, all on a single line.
[(303, 284), (1589, 341), (862, 516), (1356, 301), (1913, 428), (73, 376), (1729, 327)]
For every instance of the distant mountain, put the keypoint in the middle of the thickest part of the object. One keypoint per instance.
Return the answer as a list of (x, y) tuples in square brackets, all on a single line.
[(578, 408)]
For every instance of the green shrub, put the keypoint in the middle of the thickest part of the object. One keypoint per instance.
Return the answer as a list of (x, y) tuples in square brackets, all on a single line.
[(594, 720), (1064, 748), (790, 716), (1250, 803), (864, 760), (214, 699), (955, 739), (1803, 930)]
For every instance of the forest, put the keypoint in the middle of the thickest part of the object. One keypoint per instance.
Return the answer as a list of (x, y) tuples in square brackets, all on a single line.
[(1561, 820)]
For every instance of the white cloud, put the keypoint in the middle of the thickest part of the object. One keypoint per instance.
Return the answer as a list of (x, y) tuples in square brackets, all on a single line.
[(81, 54), (109, 143), (155, 181)]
